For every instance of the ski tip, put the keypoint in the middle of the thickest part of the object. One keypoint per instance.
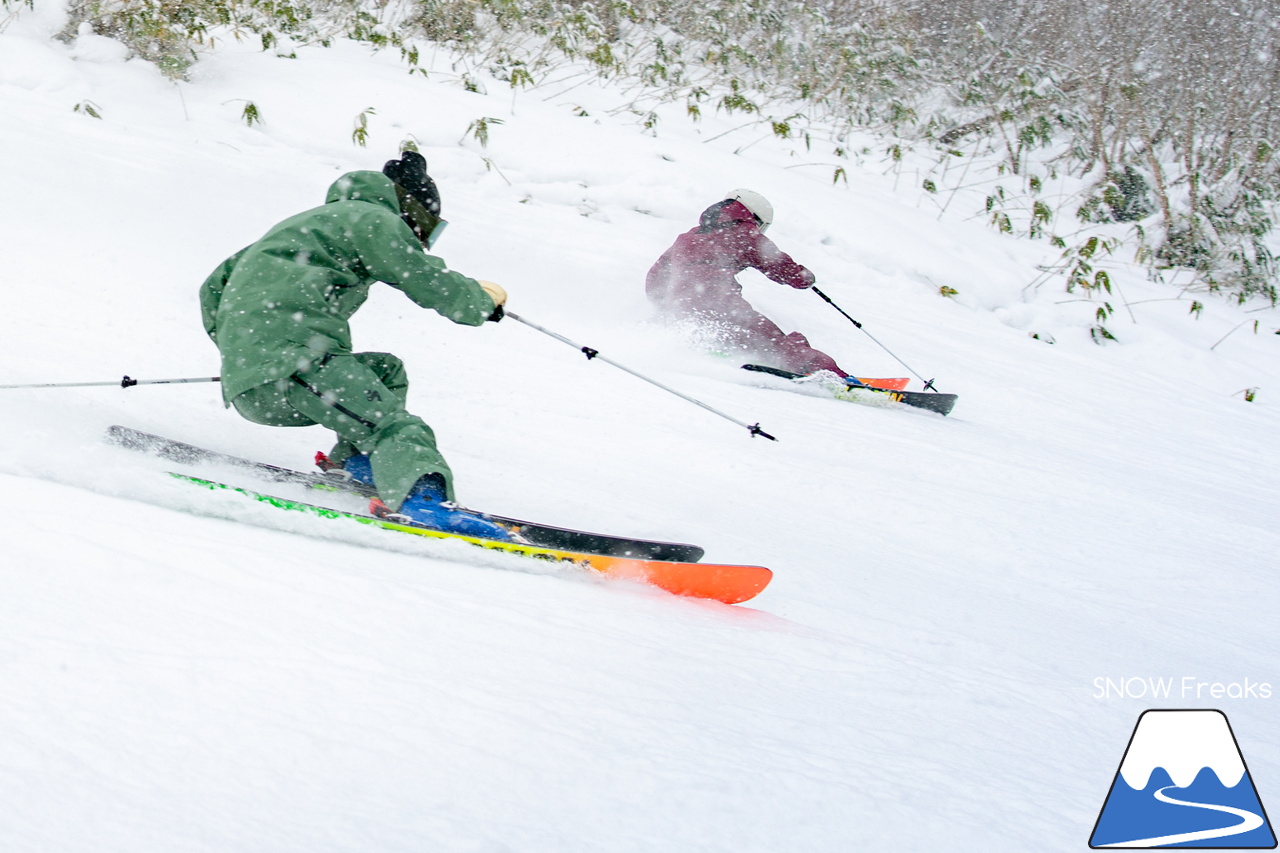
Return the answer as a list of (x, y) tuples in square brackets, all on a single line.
[(940, 403), (726, 583)]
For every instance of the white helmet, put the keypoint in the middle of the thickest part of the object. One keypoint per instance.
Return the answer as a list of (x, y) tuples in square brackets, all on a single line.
[(756, 203)]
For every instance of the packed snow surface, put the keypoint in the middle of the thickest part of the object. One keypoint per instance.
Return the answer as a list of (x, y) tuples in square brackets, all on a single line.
[(963, 610)]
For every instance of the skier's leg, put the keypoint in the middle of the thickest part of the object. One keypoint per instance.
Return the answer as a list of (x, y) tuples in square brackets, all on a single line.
[(347, 394), (269, 405), (349, 397), (797, 351), (753, 332), (391, 373), (389, 369)]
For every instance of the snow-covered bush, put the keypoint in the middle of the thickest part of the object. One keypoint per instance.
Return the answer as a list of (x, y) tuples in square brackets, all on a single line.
[(1160, 118)]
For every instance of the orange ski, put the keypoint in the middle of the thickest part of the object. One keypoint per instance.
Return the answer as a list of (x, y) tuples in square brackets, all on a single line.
[(898, 383), (731, 584)]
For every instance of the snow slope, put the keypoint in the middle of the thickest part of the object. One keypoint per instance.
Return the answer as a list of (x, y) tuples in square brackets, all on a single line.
[(182, 671)]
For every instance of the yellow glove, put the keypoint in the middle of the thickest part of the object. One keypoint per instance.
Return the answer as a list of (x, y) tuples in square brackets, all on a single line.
[(497, 294), (495, 291)]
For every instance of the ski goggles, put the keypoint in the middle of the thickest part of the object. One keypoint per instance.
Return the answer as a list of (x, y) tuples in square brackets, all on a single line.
[(425, 224)]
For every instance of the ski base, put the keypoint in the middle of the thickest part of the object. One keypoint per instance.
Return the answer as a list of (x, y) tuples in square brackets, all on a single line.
[(731, 584), (931, 401)]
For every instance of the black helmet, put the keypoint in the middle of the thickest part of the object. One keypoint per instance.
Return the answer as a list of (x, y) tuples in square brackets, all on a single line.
[(419, 198)]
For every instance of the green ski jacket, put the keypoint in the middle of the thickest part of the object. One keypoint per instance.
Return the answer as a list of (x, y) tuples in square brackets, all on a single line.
[(282, 304)]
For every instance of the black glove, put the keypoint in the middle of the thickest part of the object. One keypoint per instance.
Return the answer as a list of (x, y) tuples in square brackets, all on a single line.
[(499, 297)]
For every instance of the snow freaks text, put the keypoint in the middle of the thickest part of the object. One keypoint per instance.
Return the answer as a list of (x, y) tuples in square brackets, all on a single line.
[(1186, 687)]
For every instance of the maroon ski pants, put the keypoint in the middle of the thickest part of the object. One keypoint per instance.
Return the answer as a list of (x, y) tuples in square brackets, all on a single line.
[(733, 325)]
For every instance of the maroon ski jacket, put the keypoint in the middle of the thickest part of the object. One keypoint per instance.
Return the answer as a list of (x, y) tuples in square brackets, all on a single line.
[(697, 272)]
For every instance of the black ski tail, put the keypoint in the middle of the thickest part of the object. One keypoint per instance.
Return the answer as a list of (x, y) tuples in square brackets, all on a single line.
[(775, 371)]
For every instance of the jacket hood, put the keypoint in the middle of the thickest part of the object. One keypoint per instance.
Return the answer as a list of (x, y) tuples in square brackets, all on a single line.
[(372, 187)]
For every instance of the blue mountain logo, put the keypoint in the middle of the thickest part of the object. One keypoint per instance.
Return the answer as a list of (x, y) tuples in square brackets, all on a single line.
[(1183, 783)]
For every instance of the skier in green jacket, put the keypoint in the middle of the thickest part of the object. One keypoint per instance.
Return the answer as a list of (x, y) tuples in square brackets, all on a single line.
[(278, 311)]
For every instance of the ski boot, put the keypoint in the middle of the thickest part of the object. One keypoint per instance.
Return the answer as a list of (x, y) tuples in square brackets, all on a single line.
[(427, 505), (357, 468)]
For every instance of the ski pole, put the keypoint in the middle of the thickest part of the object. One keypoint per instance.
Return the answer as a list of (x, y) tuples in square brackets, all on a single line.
[(928, 383), (591, 353), (126, 382)]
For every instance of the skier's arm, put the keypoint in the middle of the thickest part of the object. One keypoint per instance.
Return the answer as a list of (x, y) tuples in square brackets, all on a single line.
[(211, 293), (391, 253), (764, 255)]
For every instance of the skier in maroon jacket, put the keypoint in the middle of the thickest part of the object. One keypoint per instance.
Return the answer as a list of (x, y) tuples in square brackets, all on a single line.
[(694, 281)]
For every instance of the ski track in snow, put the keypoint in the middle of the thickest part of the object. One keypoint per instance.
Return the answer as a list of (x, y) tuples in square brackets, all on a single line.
[(182, 671)]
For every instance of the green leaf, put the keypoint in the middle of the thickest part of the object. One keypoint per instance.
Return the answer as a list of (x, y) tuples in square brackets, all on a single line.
[(360, 134)]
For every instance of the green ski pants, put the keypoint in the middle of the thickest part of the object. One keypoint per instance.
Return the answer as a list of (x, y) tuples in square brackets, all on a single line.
[(361, 397)]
